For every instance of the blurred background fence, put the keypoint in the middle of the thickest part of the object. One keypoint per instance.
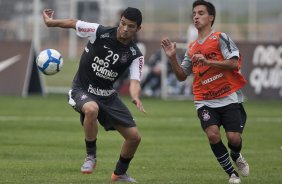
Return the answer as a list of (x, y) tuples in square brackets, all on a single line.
[(257, 22)]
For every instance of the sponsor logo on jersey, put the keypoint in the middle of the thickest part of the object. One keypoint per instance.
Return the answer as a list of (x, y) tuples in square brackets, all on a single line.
[(100, 92), (86, 49), (201, 74), (103, 72), (133, 51), (213, 78), (124, 57), (213, 37), (106, 35), (106, 47), (141, 63), (214, 94), (86, 30)]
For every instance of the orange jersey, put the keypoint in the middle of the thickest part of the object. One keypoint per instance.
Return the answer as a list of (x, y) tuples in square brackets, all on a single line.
[(210, 82)]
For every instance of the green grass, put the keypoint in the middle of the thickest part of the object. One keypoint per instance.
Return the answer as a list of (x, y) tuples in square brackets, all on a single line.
[(65, 76), (41, 141)]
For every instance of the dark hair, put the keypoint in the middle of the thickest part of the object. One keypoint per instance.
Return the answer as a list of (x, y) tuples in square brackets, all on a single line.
[(133, 14), (210, 7)]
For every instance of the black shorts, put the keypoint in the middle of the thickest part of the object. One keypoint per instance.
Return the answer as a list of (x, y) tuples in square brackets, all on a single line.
[(232, 117), (112, 110)]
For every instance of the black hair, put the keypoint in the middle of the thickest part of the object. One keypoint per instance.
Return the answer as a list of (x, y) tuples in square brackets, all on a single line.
[(133, 14), (210, 7)]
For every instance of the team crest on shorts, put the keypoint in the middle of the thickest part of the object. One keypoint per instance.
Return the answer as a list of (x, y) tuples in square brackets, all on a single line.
[(83, 97), (205, 115)]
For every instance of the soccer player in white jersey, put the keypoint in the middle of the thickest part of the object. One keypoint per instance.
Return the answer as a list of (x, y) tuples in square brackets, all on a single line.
[(108, 53), (214, 59)]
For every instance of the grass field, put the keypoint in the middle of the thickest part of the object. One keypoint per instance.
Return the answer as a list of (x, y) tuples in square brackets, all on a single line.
[(65, 76), (41, 141)]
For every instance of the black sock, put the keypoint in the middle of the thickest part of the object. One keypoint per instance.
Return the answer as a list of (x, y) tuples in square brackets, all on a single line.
[(122, 165), (235, 151), (222, 156), (91, 147)]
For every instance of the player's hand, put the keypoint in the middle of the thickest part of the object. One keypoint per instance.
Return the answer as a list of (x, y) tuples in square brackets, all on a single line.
[(47, 16), (169, 47), (200, 58), (139, 105)]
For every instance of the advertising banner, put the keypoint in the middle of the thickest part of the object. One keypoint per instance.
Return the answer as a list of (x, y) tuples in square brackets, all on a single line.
[(18, 72), (262, 67)]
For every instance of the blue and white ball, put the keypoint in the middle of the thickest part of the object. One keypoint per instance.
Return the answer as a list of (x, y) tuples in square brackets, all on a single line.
[(49, 61)]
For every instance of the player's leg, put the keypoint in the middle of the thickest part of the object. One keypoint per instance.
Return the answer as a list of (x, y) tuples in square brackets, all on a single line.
[(210, 119), (89, 117), (83, 103), (114, 115), (234, 127), (235, 145), (132, 139), (90, 111), (220, 151)]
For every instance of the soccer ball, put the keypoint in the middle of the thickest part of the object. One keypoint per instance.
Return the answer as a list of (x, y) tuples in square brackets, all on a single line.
[(49, 61)]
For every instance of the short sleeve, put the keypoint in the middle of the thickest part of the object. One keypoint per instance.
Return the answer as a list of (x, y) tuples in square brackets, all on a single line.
[(228, 47), (186, 64), (86, 29), (136, 68)]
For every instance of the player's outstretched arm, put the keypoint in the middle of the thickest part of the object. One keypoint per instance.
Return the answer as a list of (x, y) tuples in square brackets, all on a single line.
[(49, 21), (170, 50), (134, 90)]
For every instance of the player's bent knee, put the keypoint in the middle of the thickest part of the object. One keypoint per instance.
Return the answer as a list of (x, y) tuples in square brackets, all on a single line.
[(135, 139), (213, 138), (138, 139), (234, 138), (90, 109)]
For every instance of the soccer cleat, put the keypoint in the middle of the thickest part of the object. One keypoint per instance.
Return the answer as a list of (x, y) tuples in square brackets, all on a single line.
[(123, 177), (234, 179), (88, 165), (243, 166)]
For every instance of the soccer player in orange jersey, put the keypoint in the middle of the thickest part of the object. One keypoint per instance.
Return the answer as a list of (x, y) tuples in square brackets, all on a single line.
[(215, 61)]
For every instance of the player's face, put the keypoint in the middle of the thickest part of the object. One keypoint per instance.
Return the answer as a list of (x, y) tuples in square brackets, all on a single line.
[(201, 17), (127, 29)]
